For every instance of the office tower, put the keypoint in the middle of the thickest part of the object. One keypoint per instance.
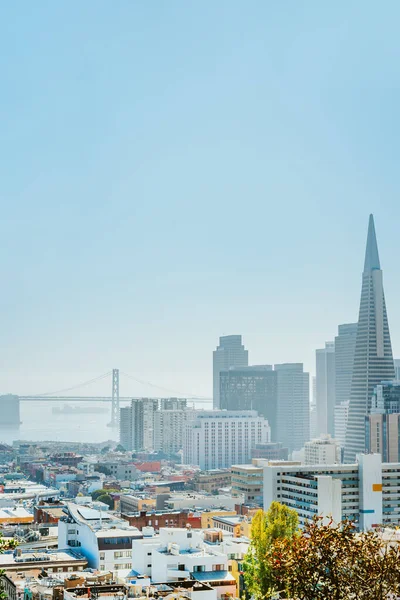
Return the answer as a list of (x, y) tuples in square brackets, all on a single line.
[(251, 388), (293, 418), (313, 409), (341, 416), (168, 429), (218, 439), (345, 344), (137, 424), (325, 388), (229, 353), (397, 369), (373, 360), (322, 451), (382, 425)]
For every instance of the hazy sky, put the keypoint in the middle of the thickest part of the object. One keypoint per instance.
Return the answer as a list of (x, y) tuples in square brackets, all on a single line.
[(171, 171)]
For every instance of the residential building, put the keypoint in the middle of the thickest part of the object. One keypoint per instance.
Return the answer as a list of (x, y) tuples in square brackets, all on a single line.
[(218, 439), (341, 416), (345, 345), (137, 424), (179, 554), (247, 480), (211, 481), (322, 451), (54, 561), (197, 501), (325, 388), (365, 492), (173, 403), (169, 424), (270, 451), (158, 519), (133, 504), (207, 517), (383, 423), (104, 540), (373, 359), (293, 418), (251, 388), (230, 353)]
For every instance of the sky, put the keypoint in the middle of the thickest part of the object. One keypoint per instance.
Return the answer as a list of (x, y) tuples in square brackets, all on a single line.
[(175, 171)]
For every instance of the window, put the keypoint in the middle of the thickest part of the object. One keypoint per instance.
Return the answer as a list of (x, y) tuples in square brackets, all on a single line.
[(199, 568), (102, 555), (149, 566)]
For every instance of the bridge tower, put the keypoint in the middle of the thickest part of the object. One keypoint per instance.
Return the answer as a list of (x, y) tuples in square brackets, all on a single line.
[(115, 399)]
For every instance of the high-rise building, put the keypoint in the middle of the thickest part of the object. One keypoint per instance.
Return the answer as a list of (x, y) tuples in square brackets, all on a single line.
[(345, 345), (137, 424), (169, 424), (230, 353), (251, 388), (397, 369), (325, 384), (324, 450), (220, 438), (373, 359), (382, 425), (313, 409), (293, 417), (341, 416)]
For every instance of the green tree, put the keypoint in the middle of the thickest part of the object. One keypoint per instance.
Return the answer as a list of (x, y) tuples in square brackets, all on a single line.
[(278, 523), (97, 493), (120, 448), (106, 498)]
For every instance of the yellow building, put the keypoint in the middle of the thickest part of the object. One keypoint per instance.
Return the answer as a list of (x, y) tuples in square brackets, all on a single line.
[(207, 517)]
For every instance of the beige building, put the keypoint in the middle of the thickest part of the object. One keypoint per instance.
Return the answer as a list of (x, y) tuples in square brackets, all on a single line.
[(211, 481), (247, 480)]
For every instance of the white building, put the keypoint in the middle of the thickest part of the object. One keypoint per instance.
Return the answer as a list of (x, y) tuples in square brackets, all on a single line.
[(177, 554), (103, 539), (168, 429), (137, 424), (324, 450), (218, 439), (366, 493)]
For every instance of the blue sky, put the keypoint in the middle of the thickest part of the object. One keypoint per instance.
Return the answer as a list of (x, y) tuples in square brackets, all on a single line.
[(174, 171)]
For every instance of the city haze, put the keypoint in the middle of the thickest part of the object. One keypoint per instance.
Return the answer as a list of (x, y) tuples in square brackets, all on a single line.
[(173, 174)]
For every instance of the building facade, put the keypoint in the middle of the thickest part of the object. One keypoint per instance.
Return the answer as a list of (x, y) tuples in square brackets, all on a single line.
[(247, 480), (251, 388), (325, 388), (230, 353), (341, 416), (270, 451), (293, 415), (219, 439), (345, 345), (137, 424), (373, 359), (169, 424), (365, 492), (322, 451), (382, 425)]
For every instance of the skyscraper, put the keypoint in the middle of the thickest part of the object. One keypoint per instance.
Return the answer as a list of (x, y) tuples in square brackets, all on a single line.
[(325, 384), (345, 345), (373, 359), (293, 418), (397, 369), (137, 424), (229, 353), (251, 388)]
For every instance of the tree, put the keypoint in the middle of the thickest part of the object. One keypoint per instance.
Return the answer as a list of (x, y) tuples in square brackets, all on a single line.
[(335, 562), (106, 498), (120, 448), (278, 523), (97, 493)]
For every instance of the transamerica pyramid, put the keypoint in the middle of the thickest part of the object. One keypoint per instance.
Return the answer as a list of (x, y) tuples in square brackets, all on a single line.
[(373, 359)]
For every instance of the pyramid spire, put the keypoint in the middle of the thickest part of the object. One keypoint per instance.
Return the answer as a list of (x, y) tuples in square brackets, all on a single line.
[(371, 253)]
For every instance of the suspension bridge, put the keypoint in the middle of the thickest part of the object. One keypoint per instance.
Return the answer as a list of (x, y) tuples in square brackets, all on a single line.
[(115, 399)]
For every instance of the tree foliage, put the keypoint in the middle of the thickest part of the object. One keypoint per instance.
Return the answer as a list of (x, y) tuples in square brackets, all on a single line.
[(106, 499), (5, 544), (97, 493), (335, 562), (278, 523)]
